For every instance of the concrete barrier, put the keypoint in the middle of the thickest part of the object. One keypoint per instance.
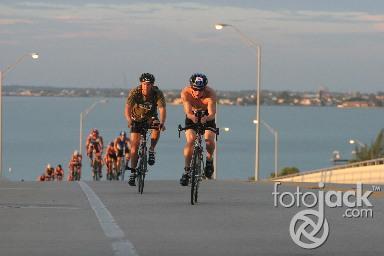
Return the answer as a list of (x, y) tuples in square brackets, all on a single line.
[(367, 172)]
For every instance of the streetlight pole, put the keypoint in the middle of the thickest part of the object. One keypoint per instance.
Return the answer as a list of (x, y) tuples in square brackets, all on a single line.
[(215, 153), (2, 76), (253, 44), (276, 135), (83, 114)]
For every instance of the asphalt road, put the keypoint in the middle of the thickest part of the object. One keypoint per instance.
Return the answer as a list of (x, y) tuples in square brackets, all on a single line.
[(111, 218)]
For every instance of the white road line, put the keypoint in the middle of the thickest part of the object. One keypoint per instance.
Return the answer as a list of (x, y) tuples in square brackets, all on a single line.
[(120, 245)]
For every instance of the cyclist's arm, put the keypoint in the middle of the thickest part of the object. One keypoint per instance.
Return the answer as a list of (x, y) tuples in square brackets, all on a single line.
[(115, 145), (187, 106), (161, 105), (102, 146), (128, 106), (128, 113), (211, 106), (163, 115)]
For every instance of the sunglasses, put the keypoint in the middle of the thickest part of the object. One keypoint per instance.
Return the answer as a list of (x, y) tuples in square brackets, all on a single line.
[(197, 89)]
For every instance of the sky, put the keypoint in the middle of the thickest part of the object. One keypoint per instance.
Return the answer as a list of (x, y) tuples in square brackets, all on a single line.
[(305, 44)]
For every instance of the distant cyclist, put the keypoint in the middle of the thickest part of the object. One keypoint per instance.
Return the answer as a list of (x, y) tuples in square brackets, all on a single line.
[(122, 146), (59, 173), (198, 96), (94, 142), (110, 157), (48, 173), (140, 109), (75, 161)]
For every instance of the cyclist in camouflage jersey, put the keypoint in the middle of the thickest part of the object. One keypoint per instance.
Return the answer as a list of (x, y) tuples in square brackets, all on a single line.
[(141, 108)]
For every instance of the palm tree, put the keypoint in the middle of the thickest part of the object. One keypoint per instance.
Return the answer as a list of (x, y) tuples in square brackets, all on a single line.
[(373, 151)]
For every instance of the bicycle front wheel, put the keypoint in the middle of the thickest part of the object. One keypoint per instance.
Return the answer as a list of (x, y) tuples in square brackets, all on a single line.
[(195, 179), (141, 173), (122, 169), (140, 180)]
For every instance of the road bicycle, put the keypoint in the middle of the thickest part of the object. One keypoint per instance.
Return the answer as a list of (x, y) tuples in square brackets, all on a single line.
[(96, 165), (76, 172), (142, 167), (197, 162), (121, 171)]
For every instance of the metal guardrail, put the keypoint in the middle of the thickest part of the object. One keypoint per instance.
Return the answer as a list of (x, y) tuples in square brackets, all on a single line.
[(378, 161)]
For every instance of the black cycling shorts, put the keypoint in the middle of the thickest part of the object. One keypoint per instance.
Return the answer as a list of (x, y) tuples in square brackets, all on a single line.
[(211, 123), (120, 153), (112, 156), (138, 126)]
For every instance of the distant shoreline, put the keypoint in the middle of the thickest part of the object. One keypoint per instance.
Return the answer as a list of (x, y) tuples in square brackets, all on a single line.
[(231, 98), (179, 104)]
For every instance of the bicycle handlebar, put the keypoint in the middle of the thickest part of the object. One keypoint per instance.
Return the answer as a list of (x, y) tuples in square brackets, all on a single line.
[(198, 127)]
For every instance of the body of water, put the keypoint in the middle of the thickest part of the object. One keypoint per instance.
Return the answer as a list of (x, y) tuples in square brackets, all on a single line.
[(45, 130)]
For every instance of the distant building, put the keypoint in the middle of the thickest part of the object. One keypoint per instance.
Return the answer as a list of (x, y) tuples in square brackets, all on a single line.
[(356, 103)]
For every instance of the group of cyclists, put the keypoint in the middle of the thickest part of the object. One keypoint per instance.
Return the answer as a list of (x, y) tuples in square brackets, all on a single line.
[(117, 154), (51, 174), (116, 150), (146, 105)]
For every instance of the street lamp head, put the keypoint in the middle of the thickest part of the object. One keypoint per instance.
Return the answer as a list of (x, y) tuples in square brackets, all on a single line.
[(255, 121), (220, 26), (226, 129), (34, 55), (351, 142)]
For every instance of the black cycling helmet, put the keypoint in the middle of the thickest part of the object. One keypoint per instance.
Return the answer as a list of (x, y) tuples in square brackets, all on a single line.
[(123, 133), (147, 77), (198, 81)]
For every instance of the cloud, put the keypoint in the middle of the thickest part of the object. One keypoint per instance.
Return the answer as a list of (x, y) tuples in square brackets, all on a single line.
[(8, 42), (11, 21), (78, 35), (41, 6), (379, 27)]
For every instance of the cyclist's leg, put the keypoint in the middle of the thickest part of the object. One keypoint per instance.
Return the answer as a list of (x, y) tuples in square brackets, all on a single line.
[(108, 164), (151, 152), (210, 147), (135, 142), (79, 169), (118, 167), (155, 136), (209, 137), (190, 137), (114, 167), (100, 169), (127, 158)]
